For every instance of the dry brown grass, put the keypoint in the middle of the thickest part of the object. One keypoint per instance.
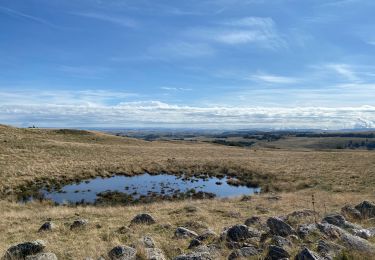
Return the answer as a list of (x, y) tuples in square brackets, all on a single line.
[(21, 222)]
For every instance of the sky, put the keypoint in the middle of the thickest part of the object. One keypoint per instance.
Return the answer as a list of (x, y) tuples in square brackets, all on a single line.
[(279, 64)]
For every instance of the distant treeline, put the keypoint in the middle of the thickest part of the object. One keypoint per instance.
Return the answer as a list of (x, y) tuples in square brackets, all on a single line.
[(350, 135), (233, 143)]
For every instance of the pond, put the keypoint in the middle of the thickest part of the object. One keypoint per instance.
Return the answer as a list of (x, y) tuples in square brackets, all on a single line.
[(145, 187)]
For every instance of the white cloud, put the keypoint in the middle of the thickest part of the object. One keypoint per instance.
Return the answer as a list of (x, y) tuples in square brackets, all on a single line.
[(180, 49), (269, 78), (121, 21), (175, 88), (344, 70)]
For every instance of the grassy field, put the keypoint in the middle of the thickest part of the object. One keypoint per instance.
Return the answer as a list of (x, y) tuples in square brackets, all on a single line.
[(33, 157)]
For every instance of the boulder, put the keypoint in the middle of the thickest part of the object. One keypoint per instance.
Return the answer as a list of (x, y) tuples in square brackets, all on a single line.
[(122, 253), (335, 219), (79, 223), (22, 250), (42, 256), (243, 252), (351, 212), (47, 226), (306, 254), (240, 233), (276, 253), (182, 232), (155, 254), (281, 242), (279, 227), (366, 208), (143, 218)]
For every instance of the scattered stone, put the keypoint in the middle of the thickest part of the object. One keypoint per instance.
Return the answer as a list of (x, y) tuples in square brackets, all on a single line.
[(350, 212), (122, 253), (148, 242), (194, 256), (363, 233), (254, 220), (305, 229), (22, 250), (143, 218), (240, 233), (194, 243), (243, 252), (276, 253), (302, 213), (366, 208), (307, 254), (279, 227), (335, 219), (79, 223), (281, 242), (42, 256), (155, 254), (328, 249), (47, 226), (182, 232), (208, 235)]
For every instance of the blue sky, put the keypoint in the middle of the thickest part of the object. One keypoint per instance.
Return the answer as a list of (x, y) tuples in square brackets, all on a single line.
[(207, 63)]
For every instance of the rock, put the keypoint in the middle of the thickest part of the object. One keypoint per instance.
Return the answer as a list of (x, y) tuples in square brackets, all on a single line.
[(240, 233), (182, 232), (350, 212), (47, 226), (155, 254), (328, 249), (302, 213), (366, 208), (208, 235), (122, 253), (22, 250), (243, 252), (253, 221), (79, 223), (194, 256), (279, 227), (148, 242), (143, 218), (306, 254), (276, 253), (305, 229), (42, 256), (281, 242), (335, 219), (363, 233), (194, 243)]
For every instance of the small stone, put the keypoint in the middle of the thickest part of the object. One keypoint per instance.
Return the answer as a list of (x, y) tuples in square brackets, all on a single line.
[(182, 232), (240, 233), (306, 254), (276, 253), (194, 243), (208, 235), (351, 212), (155, 254), (335, 219), (279, 227), (367, 209), (305, 229), (148, 242), (122, 253), (42, 256), (243, 252), (79, 223), (281, 242), (47, 226), (328, 249), (252, 221), (22, 250), (143, 218)]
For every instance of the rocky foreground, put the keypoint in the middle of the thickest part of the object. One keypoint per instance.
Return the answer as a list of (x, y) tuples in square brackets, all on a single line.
[(298, 235)]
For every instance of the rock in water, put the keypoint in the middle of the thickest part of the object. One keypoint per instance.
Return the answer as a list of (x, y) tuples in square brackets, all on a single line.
[(21, 251), (240, 233), (182, 232), (276, 253), (306, 254), (279, 227), (42, 256), (122, 253), (143, 218), (47, 226), (366, 208), (79, 223)]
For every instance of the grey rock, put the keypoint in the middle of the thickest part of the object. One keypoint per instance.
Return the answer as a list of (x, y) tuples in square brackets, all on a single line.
[(182, 232), (194, 243), (279, 227), (47, 226), (335, 219), (122, 253), (143, 218), (208, 235), (79, 223), (305, 229), (42, 256), (276, 253), (148, 242), (351, 212), (366, 208), (243, 252), (195, 256), (302, 213), (306, 254), (240, 233), (155, 254), (363, 233), (328, 249), (254, 220), (22, 250), (281, 242)]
